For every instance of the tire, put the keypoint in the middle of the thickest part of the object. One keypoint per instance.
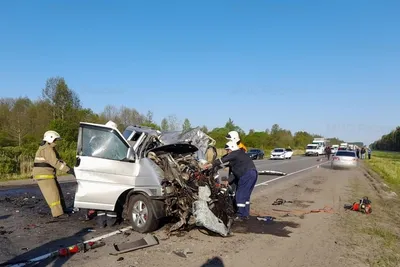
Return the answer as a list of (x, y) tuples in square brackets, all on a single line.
[(150, 223)]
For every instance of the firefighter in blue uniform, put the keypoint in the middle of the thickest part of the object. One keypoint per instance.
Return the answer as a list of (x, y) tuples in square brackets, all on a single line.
[(245, 171)]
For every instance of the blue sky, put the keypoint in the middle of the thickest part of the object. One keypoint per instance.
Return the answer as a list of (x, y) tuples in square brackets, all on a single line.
[(328, 67)]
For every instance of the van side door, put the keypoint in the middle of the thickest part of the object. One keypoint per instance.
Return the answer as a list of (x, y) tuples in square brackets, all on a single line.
[(106, 167)]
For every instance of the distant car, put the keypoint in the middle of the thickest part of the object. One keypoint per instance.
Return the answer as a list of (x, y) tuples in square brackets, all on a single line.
[(344, 159), (256, 153), (278, 153), (334, 150), (288, 153)]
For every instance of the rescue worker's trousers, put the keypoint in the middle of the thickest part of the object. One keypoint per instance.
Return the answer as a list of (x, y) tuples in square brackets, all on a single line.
[(245, 188), (369, 155), (106, 218), (52, 194)]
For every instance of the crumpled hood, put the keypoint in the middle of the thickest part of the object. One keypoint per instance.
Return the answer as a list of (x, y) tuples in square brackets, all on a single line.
[(196, 136)]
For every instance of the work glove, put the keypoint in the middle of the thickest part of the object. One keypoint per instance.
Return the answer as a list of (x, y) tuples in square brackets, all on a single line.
[(71, 171)]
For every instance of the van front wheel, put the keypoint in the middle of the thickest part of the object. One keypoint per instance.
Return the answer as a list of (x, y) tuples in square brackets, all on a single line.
[(141, 214)]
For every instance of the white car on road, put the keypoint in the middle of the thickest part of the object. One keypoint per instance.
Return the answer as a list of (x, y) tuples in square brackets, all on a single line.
[(278, 153), (288, 153)]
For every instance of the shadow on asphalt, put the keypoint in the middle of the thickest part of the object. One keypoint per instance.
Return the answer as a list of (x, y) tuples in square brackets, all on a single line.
[(214, 262), (47, 248), (277, 228)]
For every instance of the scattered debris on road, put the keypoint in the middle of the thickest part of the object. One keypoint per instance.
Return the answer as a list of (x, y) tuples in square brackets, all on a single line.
[(266, 218), (147, 241), (183, 252), (270, 172), (281, 201), (62, 252)]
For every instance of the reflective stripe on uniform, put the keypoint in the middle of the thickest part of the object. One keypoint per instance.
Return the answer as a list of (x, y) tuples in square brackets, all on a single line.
[(62, 166), (101, 213), (111, 215), (55, 203), (247, 202), (241, 205), (43, 176), (40, 159)]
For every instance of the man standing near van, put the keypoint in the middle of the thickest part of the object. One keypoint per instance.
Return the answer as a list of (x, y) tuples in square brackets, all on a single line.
[(369, 153)]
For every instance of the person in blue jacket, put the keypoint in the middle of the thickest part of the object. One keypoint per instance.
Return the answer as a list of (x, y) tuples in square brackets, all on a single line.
[(245, 171)]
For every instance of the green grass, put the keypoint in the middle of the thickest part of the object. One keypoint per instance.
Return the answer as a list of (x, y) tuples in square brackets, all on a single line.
[(387, 165)]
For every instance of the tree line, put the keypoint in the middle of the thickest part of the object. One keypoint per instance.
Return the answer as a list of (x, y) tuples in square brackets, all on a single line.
[(388, 142), (23, 122)]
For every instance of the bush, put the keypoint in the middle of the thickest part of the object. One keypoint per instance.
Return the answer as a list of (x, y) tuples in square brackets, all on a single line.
[(19, 160)]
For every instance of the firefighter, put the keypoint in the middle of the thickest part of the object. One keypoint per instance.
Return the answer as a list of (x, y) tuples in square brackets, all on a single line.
[(245, 171), (47, 162), (234, 136)]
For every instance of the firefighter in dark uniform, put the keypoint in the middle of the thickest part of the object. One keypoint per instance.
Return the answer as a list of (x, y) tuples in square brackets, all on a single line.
[(245, 172), (47, 162), (234, 137)]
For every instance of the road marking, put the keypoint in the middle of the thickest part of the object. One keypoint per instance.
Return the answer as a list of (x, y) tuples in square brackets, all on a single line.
[(292, 173)]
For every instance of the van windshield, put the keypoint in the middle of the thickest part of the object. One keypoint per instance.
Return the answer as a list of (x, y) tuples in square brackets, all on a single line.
[(311, 147)]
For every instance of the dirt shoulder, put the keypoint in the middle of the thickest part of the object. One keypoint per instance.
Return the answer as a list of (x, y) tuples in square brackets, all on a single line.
[(328, 236), (296, 238)]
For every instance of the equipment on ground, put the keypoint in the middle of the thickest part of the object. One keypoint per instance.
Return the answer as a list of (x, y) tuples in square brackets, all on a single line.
[(364, 206)]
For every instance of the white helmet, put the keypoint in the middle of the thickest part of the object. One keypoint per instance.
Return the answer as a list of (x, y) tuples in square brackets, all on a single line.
[(231, 145), (51, 136), (233, 136), (112, 124)]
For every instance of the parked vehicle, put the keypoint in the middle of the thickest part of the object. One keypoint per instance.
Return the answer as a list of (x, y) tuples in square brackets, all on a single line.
[(288, 153), (334, 148), (343, 145), (278, 153), (322, 144), (344, 159), (255, 153), (313, 150), (143, 173)]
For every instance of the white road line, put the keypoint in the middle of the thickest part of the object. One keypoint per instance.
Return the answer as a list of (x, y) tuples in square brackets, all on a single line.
[(292, 173)]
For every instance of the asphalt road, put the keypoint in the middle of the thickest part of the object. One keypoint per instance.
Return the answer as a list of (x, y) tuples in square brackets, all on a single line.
[(28, 230), (296, 165)]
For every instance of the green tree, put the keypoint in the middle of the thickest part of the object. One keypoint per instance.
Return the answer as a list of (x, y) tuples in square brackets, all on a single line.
[(62, 99), (186, 125), (164, 125)]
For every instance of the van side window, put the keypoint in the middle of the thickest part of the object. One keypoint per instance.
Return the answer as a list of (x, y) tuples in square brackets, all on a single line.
[(103, 143)]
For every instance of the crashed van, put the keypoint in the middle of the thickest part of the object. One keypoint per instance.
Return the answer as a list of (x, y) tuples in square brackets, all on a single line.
[(147, 175)]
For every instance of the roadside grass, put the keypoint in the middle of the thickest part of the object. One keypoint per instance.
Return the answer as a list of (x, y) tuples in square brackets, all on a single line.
[(387, 166), (375, 238)]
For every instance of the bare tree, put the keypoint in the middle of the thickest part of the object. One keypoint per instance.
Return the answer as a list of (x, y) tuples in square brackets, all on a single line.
[(173, 123), (19, 123)]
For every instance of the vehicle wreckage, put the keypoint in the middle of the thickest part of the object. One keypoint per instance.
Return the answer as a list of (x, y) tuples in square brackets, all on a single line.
[(146, 175)]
